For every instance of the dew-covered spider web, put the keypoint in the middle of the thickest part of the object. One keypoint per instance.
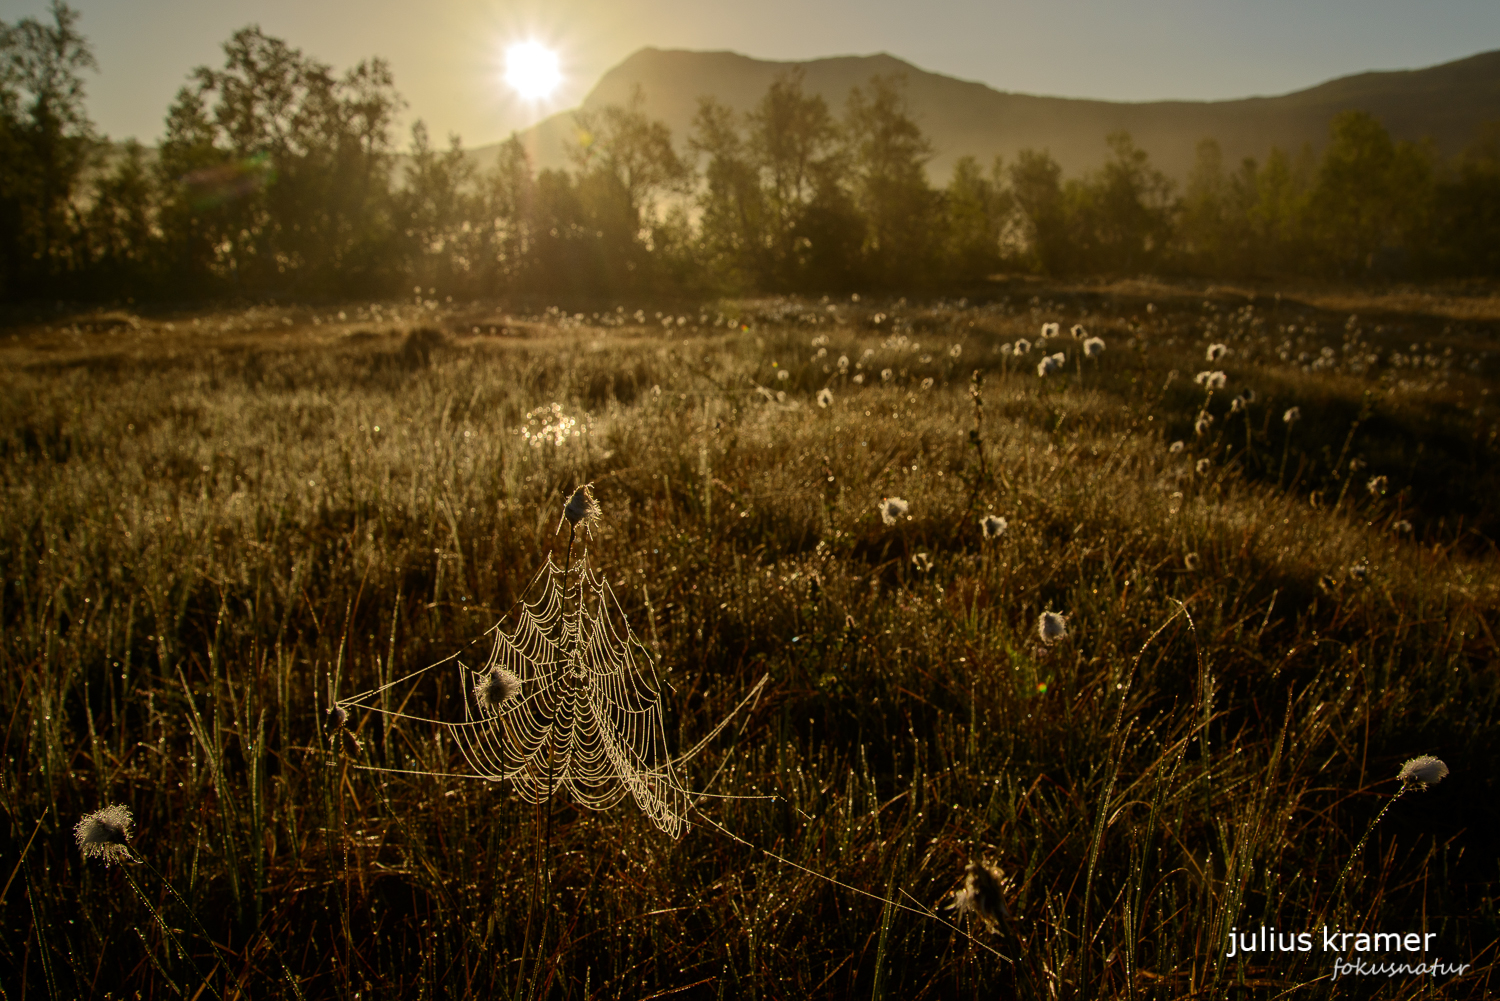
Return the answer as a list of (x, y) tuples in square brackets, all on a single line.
[(586, 717)]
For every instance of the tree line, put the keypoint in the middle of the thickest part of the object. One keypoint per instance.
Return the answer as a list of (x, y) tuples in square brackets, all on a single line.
[(279, 177)]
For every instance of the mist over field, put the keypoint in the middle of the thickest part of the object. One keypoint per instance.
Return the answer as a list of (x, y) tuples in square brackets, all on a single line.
[(736, 558)]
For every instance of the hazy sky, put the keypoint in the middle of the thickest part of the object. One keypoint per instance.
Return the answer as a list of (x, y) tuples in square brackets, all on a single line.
[(446, 54)]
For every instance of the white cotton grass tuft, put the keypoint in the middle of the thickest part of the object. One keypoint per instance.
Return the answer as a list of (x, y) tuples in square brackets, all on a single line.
[(783, 375), (1176, 446), (843, 363), (955, 351), (1211, 380), (859, 378), (1093, 347), (581, 507), (1292, 415), (1377, 486), (1051, 363), (886, 374), (1216, 351), (825, 397), (921, 561), (494, 688), (1023, 346), (893, 509), (982, 895), (927, 383), (1419, 773), (1203, 423), (1403, 526), (1051, 626), (1190, 562), (1051, 330), (105, 834), (1203, 466), (993, 526), (1078, 332)]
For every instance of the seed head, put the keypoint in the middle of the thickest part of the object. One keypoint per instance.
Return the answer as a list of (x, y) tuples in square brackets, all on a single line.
[(1216, 351), (582, 507), (1377, 486), (1052, 626), (1419, 773), (1093, 347), (927, 382), (892, 509), (885, 375), (105, 834), (1051, 330), (1211, 380), (1203, 466), (1293, 415), (921, 561), (825, 397), (993, 526), (1023, 346), (1175, 447), (1190, 561), (982, 895), (494, 688), (1078, 332), (955, 351), (1203, 423)]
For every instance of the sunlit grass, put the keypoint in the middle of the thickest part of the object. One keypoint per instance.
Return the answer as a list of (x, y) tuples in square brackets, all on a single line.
[(214, 522)]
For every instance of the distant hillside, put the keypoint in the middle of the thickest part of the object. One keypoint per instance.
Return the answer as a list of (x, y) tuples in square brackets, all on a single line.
[(1445, 103)]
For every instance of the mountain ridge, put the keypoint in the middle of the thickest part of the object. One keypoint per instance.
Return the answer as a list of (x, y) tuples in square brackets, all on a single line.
[(1446, 103)]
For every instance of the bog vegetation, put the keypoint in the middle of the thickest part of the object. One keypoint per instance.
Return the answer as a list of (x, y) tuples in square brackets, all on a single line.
[(1123, 659), (279, 177), (1101, 623)]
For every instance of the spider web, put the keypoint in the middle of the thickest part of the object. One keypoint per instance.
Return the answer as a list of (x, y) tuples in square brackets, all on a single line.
[(587, 719)]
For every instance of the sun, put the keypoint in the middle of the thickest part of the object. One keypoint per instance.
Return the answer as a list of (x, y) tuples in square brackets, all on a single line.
[(532, 70)]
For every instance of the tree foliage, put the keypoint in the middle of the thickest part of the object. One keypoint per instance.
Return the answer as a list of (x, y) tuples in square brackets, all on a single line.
[(279, 176)]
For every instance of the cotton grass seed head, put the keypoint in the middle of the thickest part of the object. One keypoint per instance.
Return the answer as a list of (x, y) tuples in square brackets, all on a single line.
[(1292, 415), (1419, 773), (993, 526), (1190, 562), (921, 561), (886, 375), (982, 895), (105, 834), (494, 688), (1377, 486), (1202, 424), (892, 509), (1203, 466), (1051, 627), (1023, 347), (1051, 330), (955, 351), (1093, 347), (1176, 447), (1078, 332), (582, 507), (1216, 351), (825, 398)]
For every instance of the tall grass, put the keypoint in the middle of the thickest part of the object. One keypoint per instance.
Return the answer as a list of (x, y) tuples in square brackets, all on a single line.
[(211, 532)]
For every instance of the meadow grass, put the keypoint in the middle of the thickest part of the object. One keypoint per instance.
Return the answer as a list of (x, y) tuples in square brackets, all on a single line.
[(217, 523)]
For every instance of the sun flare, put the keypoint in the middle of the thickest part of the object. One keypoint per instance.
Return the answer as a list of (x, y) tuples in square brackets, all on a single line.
[(531, 69)]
